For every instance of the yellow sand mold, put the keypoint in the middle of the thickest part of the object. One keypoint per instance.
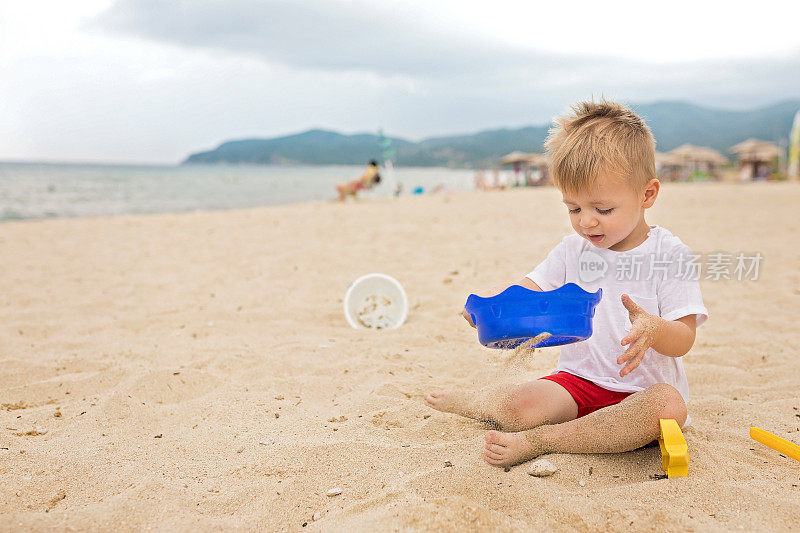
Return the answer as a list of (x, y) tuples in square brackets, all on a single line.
[(674, 450)]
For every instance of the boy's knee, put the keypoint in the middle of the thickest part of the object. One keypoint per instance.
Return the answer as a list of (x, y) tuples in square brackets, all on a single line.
[(514, 408), (516, 403), (670, 403)]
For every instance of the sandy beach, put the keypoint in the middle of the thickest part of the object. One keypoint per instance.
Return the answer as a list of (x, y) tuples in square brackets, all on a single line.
[(195, 371)]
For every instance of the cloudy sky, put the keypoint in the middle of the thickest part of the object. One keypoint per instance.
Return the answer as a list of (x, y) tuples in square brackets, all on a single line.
[(150, 81)]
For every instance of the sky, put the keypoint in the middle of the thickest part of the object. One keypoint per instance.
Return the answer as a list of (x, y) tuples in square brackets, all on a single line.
[(149, 81)]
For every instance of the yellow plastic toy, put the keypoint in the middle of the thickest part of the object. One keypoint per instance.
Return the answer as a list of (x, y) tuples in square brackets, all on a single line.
[(783, 446), (674, 450)]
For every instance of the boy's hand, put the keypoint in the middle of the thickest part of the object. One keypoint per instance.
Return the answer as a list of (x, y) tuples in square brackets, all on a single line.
[(494, 291), (467, 318), (644, 329)]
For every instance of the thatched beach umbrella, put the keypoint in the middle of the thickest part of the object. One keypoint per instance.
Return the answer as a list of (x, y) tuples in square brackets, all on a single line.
[(756, 158), (537, 171), (714, 157), (689, 153), (514, 157), (523, 164), (668, 166), (695, 162), (667, 159), (537, 160), (756, 150)]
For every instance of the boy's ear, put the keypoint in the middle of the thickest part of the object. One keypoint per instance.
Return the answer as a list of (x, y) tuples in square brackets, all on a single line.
[(651, 193)]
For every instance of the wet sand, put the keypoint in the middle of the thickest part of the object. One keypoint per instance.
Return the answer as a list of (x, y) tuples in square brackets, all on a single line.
[(196, 371)]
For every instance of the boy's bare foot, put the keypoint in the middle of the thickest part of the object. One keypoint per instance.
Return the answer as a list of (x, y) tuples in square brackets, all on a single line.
[(508, 449), (458, 402)]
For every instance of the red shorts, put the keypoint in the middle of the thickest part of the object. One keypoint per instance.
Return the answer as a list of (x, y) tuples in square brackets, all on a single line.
[(586, 394)]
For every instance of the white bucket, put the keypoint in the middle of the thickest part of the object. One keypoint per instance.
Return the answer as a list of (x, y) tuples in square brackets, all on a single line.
[(375, 301)]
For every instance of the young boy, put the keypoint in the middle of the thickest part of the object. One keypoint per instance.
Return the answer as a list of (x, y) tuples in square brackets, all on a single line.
[(609, 391)]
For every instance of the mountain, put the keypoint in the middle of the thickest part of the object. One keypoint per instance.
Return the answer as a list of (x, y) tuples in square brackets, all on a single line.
[(315, 147), (672, 123), (676, 123)]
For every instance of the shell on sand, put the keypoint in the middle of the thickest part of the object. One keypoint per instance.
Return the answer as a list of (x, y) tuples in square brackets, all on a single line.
[(542, 468)]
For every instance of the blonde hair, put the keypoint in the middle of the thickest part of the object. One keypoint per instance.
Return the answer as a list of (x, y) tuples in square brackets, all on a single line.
[(600, 137)]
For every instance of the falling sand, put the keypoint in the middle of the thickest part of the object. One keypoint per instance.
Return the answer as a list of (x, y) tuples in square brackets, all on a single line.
[(490, 403), (525, 351)]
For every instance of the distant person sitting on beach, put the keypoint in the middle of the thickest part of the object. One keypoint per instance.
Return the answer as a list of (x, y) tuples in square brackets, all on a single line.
[(609, 391), (368, 179)]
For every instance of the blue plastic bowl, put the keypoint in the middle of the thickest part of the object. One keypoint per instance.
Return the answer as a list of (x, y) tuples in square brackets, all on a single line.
[(518, 314)]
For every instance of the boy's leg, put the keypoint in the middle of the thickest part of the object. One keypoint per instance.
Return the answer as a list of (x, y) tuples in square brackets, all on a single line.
[(628, 425), (512, 407)]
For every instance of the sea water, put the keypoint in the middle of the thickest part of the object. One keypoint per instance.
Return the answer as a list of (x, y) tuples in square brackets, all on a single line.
[(45, 190)]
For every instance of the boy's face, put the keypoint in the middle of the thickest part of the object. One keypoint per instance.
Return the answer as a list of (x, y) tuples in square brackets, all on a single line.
[(611, 213)]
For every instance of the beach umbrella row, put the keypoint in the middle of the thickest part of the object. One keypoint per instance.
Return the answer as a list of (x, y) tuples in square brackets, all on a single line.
[(686, 154)]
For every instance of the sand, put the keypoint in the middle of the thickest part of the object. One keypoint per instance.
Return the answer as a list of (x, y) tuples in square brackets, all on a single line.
[(196, 371)]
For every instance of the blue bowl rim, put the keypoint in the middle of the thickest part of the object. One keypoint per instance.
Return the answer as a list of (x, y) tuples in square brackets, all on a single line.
[(568, 289)]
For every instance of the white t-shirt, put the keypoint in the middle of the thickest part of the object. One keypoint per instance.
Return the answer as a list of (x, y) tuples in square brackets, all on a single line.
[(658, 275)]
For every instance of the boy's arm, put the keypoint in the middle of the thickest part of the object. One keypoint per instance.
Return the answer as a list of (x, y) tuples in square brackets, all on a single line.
[(529, 284), (497, 289), (676, 337), (673, 338), (525, 282)]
